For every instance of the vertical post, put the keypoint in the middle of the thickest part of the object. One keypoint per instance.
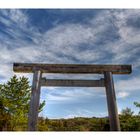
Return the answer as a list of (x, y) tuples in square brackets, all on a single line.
[(111, 102), (34, 102)]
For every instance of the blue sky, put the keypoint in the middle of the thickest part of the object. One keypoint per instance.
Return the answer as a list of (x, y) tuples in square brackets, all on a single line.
[(76, 36)]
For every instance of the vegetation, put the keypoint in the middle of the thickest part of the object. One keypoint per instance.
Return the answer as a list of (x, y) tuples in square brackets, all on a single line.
[(127, 112), (137, 105), (14, 106), (73, 124), (129, 121), (88, 124), (14, 103)]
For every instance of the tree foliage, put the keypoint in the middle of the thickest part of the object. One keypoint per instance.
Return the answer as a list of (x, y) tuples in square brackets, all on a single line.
[(14, 102), (87, 124), (127, 112), (137, 105)]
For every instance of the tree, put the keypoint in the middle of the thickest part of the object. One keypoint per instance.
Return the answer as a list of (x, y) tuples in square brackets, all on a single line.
[(14, 101), (4, 117), (137, 105), (127, 112)]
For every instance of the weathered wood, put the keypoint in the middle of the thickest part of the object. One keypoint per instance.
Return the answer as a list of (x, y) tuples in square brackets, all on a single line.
[(107, 70), (34, 102), (111, 102), (71, 68), (72, 83)]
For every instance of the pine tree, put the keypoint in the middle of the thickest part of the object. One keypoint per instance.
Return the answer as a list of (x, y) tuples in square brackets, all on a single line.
[(14, 101)]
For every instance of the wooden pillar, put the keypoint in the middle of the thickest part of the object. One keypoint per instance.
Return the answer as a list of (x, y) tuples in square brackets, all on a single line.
[(34, 102), (111, 102)]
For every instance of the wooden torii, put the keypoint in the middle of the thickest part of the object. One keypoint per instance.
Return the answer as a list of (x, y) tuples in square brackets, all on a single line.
[(38, 81)]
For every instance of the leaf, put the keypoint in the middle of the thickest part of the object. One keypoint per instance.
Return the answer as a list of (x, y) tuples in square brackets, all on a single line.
[(41, 106)]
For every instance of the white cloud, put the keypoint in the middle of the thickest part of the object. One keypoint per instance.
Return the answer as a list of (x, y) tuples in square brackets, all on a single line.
[(128, 33), (69, 95), (8, 56), (82, 112), (29, 53), (136, 64), (15, 15), (128, 85), (62, 43), (79, 113), (66, 40), (122, 94), (5, 72), (69, 35), (126, 46)]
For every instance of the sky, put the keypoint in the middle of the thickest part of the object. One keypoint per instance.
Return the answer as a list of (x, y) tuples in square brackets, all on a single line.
[(74, 36)]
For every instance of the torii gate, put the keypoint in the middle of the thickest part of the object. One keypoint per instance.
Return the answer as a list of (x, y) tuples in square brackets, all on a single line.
[(38, 81)]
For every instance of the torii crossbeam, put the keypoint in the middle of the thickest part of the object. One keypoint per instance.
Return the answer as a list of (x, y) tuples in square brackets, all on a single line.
[(107, 82)]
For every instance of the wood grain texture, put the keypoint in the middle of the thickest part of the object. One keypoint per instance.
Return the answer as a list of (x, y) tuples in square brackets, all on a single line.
[(72, 83), (111, 102), (71, 68), (34, 102)]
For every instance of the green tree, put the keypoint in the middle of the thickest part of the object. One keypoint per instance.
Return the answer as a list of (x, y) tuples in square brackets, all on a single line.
[(128, 121), (137, 105), (14, 102), (127, 112)]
